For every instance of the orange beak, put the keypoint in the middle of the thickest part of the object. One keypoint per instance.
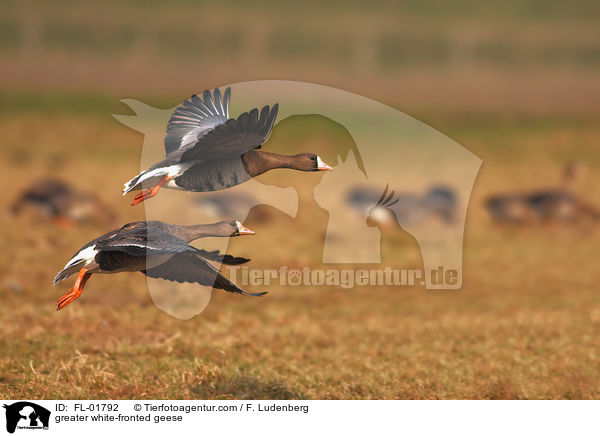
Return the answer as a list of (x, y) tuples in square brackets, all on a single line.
[(246, 231), (322, 166)]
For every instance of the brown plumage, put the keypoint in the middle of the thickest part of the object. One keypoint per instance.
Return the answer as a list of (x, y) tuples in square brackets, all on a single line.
[(63, 203), (558, 204)]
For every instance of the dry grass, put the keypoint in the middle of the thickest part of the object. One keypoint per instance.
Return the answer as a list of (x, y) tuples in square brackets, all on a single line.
[(525, 325)]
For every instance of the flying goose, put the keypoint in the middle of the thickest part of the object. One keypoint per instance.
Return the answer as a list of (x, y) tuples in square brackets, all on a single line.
[(208, 151), (158, 250), (63, 203)]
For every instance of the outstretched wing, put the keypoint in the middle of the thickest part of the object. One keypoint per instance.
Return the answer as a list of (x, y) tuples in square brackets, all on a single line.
[(195, 117), (144, 240), (233, 138), (227, 259), (193, 268)]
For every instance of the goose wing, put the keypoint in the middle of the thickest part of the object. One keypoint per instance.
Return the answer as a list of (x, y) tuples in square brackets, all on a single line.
[(233, 138), (143, 240), (227, 259), (148, 238), (194, 268), (195, 117)]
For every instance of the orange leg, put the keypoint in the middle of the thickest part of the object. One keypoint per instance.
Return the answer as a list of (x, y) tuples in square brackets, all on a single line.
[(75, 291), (149, 193)]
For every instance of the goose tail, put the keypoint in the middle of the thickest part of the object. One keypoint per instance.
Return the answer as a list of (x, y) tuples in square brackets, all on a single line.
[(69, 270), (152, 174), (132, 184)]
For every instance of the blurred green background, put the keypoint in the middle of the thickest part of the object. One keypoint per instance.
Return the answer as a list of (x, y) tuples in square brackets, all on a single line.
[(424, 57)]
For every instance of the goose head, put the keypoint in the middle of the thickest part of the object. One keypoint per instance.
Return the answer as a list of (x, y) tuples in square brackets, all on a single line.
[(574, 172), (310, 162)]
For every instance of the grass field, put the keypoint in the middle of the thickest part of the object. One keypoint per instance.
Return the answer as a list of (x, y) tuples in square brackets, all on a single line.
[(525, 325)]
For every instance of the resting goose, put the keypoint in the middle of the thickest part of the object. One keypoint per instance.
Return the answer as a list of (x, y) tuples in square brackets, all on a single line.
[(208, 151), (63, 203), (548, 205), (158, 250)]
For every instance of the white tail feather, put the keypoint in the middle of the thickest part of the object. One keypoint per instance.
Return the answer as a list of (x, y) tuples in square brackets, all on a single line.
[(142, 177), (171, 171)]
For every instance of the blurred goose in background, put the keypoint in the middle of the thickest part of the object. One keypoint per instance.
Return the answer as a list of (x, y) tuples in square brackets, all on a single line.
[(208, 151), (158, 250), (402, 209), (233, 204), (63, 203), (509, 208), (558, 204), (227, 204)]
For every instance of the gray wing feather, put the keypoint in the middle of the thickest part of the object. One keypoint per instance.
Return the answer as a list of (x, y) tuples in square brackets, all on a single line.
[(234, 137), (143, 242), (193, 268), (226, 259), (195, 117)]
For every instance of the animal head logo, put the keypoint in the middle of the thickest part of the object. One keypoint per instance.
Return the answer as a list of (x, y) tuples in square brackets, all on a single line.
[(382, 211), (26, 415), (426, 178)]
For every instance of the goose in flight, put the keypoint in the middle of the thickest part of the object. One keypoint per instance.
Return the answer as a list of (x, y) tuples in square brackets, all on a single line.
[(208, 151), (158, 250)]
